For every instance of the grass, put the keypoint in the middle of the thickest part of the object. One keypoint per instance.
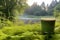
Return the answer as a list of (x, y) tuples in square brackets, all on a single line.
[(25, 31)]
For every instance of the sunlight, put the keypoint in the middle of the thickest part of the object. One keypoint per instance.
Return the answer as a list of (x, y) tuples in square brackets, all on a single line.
[(30, 2)]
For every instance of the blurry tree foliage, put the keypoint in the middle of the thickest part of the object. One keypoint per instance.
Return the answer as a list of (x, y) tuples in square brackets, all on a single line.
[(7, 7), (57, 10), (36, 10)]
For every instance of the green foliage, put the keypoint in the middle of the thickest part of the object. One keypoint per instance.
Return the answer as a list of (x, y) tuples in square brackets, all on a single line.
[(7, 7), (36, 10), (2, 35), (57, 10), (24, 32), (56, 37)]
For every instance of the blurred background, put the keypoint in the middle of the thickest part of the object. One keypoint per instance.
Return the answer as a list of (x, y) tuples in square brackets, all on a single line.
[(21, 19)]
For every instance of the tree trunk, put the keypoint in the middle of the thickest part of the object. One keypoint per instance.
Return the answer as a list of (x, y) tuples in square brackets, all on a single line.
[(48, 25)]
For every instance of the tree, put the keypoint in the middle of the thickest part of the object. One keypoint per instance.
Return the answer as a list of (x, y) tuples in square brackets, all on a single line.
[(35, 10), (8, 7), (57, 10), (51, 7), (43, 5)]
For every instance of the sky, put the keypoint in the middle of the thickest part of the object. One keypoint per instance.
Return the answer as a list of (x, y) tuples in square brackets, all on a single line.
[(30, 2)]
